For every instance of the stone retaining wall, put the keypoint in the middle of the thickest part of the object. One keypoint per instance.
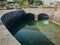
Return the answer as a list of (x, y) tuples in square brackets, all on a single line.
[(56, 18)]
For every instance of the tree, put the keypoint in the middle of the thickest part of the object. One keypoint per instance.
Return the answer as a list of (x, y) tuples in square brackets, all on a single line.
[(31, 1), (51, 3), (26, 3), (39, 3), (17, 1)]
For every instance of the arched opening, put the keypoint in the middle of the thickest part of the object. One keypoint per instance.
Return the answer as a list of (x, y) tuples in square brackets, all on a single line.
[(43, 16), (29, 17)]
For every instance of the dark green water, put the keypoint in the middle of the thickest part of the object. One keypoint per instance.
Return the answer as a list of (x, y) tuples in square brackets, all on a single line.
[(20, 25), (27, 33)]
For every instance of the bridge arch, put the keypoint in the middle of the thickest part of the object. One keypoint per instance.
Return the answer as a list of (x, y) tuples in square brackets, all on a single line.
[(29, 16), (43, 16)]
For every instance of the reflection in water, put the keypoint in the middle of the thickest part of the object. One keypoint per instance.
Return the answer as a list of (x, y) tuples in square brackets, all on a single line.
[(46, 22)]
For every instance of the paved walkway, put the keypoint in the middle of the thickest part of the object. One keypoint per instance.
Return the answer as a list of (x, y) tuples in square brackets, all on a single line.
[(5, 37)]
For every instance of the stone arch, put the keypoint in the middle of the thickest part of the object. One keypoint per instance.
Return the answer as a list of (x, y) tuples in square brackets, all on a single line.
[(29, 16), (43, 16)]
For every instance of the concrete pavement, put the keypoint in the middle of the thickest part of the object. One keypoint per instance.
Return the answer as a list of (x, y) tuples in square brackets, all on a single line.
[(5, 37)]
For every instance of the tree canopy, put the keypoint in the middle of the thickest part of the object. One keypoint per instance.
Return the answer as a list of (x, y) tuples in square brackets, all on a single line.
[(37, 2), (31, 1)]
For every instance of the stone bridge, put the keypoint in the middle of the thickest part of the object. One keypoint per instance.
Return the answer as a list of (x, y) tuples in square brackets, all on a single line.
[(37, 11)]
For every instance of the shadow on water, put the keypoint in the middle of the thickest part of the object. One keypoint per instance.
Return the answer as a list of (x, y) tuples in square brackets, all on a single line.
[(19, 25), (16, 23), (27, 20)]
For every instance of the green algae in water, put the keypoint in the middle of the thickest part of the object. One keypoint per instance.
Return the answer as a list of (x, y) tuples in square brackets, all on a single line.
[(27, 33), (32, 37)]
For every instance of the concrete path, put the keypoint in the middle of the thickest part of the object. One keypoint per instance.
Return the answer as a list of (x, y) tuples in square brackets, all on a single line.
[(5, 37)]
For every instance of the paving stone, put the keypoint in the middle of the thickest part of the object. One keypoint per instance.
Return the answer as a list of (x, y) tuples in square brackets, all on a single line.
[(6, 38)]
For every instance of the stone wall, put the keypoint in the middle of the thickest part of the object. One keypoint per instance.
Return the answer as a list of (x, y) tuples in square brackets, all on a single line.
[(57, 16), (37, 11)]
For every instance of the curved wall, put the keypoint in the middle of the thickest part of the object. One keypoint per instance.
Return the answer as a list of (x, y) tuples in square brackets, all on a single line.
[(13, 19), (10, 18)]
